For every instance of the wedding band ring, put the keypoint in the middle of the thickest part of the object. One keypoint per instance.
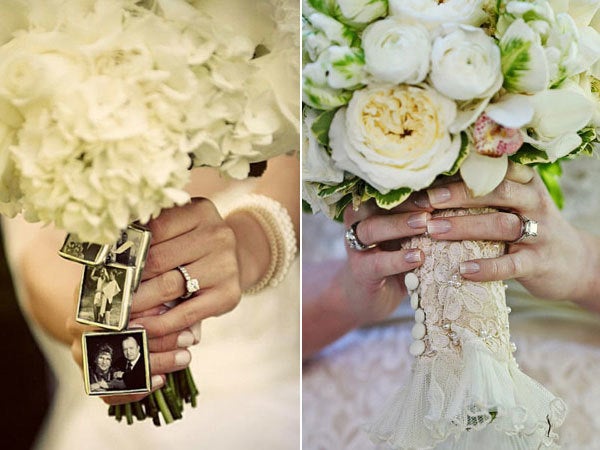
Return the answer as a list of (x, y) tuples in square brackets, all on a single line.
[(192, 285), (354, 242), (529, 228)]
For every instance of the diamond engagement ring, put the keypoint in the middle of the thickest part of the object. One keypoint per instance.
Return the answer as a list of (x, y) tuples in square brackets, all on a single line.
[(191, 284), (529, 228), (354, 242)]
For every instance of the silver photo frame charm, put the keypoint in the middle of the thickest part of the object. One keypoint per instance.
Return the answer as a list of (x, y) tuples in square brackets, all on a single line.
[(116, 363), (105, 296), (131, 250), (83, 252)]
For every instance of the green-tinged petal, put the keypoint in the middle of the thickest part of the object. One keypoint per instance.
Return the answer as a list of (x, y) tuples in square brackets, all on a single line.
[(482, 174), (558, 147), (524, 63)]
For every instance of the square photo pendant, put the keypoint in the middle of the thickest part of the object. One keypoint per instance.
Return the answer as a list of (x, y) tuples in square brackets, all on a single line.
[(83, 252), (105, 296), (116, 363), (131, 250)]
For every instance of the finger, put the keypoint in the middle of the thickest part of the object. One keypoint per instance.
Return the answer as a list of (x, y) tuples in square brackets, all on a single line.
[(179, 220), (417, 201), (162, 363), (500, 226), (210, 303), (157, 382), (210, 271), (519, 173), (173, 341), (156, 311), (508, 194), (189, 247), (376, 229), (376, 265), (513, 265)]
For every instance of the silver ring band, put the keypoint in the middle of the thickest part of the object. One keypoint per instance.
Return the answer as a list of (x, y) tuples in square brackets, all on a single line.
[(354, 242), (529, 228), (192, 285)]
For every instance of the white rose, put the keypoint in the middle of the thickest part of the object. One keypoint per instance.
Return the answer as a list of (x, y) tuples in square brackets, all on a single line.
[(395, 52), (434, 12), (465, 63), (395, 137), (317, 165)]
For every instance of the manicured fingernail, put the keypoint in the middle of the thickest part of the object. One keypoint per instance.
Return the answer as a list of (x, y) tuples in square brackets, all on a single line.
[(413, 256), (438, 226), (418, 220), (157, 381), (185, 339), (183, 358), (438, 195), (136, 325), (468, 267), (422, 201)]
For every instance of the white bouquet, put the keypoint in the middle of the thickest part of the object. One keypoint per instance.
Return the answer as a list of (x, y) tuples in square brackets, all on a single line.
[(398, 93), (106, 104)]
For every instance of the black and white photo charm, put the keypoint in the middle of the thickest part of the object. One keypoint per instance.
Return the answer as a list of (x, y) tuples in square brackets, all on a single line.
[(116, 363), (131, 250), (105, 296), (83, 252)]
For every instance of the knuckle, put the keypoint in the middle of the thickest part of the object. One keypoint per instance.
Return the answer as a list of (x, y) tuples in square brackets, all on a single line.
[(504, 191), (169, 285), (190, 318), (154, 260), (365, 231), (507, 224)]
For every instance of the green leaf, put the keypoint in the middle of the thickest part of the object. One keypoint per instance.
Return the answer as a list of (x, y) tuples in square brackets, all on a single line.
[(550, 174), (462, 154), (320, 126), (345, 187), (306, 207), (588, 139), (391, 199), (528, 154), (340, 206)]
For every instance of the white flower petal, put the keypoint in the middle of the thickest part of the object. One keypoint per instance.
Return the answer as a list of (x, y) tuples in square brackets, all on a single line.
[(512, 111), (482, 173)]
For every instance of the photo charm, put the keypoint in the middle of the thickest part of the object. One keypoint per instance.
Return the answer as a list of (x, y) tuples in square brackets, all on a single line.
[(131, 250), (116, 363), (105, 296), (83, 252)]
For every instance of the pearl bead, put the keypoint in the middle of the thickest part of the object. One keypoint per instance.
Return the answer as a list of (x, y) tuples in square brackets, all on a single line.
[(418, 331), (513, 347), (414, 300), (419, 316), (447, 326), (417, 348), (411, 281)]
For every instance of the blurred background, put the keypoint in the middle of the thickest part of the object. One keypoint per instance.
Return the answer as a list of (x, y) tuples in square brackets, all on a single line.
[(24, 377)]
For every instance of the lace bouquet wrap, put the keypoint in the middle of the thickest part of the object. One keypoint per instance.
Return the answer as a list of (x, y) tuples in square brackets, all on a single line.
[(105, 105), (399, 93)]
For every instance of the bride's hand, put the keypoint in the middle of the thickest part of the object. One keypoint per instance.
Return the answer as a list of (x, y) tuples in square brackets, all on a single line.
[(554, 265), (193, 236)]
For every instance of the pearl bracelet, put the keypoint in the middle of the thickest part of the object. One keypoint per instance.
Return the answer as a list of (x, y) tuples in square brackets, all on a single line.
[(279, 229)]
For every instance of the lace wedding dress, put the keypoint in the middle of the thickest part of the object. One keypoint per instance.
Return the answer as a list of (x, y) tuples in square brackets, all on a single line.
[(246, 368), (347, 384)]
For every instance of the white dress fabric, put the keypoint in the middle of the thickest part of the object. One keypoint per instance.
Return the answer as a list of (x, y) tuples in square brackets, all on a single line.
[(246, 368), (347, 385)]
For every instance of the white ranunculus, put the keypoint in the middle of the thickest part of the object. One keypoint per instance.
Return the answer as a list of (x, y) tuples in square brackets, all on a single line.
[(396, 52), (395, 136), (465, 63), (319, 31), (558, 115), (434, 12), (358, 13), (582, 11)]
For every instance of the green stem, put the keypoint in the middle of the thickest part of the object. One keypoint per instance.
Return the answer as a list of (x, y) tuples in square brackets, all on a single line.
[(118, 412), (152, 409), (138, 411), (128, 414), (162, 406), (169, 395), (192, 387)]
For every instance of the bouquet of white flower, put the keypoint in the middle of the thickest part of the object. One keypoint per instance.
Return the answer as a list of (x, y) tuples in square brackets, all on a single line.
[(105, 105), (398, 93)]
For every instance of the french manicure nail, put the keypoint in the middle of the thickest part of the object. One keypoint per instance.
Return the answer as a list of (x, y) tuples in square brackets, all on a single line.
[(422, 201), (157, 381), (438, 226), (468, 267), (183, 358), (418, 220), (438, 195), (185, 339), (413, 256)]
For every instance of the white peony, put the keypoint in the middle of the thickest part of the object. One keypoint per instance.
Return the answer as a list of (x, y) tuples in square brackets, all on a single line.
[(396, 52), (395, 136), (465, 63), (434, 12)]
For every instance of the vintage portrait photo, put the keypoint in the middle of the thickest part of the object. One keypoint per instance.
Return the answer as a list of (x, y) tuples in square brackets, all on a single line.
[(105, 296), (83, 252), (116, 363), (131, 250)]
